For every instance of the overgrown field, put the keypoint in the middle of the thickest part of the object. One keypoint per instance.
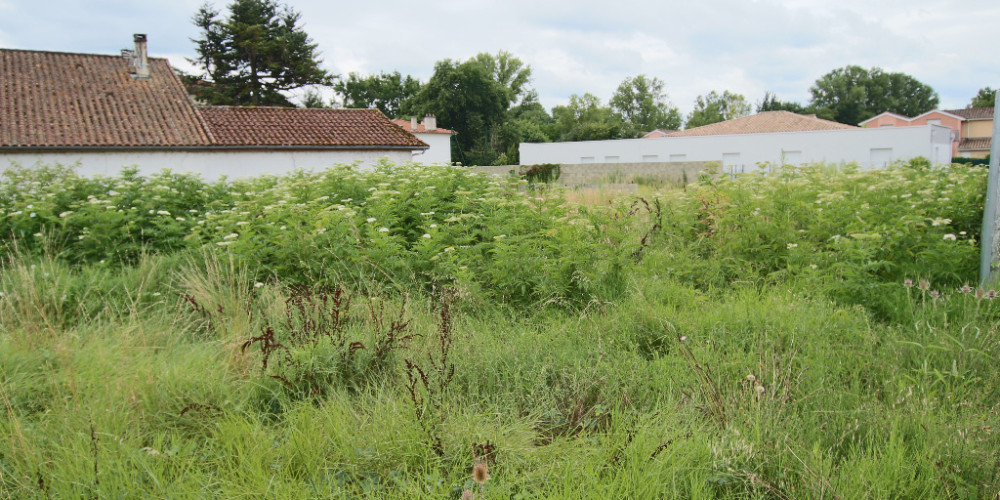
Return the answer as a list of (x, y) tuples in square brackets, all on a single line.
[(812, 333)]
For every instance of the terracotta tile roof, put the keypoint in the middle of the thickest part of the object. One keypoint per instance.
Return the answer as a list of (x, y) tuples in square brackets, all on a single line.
[(660, 132), (975, 144), (972, 113), (764, 122), (274, 126), (55, 99), (420, 128)]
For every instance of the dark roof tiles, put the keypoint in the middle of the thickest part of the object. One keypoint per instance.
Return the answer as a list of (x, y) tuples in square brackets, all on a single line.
[(56, 99), (975, 144), (274, 126), (65, 100), (972, 113)]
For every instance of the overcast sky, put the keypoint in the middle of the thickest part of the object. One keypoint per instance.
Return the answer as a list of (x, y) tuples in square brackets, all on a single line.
[(582, 46)]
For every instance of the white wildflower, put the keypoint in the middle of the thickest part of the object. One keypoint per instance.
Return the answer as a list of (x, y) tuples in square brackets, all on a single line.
[(162, 212), (370, 220), (427, 236), (383, 230), (950, 236), (231, 236)]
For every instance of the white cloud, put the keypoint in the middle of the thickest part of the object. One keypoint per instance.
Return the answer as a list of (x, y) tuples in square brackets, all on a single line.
[(585, 45)]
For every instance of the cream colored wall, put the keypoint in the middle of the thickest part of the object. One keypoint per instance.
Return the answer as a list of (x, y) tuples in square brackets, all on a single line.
[(979, 128)]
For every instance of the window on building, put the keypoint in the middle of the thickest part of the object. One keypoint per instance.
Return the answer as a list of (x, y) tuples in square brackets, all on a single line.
[(791, 157), (880, 157), (650, 157), (934, 122), (610, 159), (586, 159), (678, 157)]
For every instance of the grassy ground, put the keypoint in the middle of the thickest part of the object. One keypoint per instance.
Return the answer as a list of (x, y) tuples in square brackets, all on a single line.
[(190, 374)]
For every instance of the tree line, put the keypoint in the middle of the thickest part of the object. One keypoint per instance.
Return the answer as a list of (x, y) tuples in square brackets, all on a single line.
[(259, 51)]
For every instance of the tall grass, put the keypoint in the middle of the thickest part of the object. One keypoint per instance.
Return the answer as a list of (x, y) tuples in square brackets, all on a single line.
[(712, 342)]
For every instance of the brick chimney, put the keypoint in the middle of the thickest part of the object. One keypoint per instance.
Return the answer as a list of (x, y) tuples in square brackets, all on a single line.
[(141, 62), (430, 123), (413, 124)]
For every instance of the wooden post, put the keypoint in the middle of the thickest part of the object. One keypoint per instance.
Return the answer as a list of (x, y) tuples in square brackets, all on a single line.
[(988, 260)]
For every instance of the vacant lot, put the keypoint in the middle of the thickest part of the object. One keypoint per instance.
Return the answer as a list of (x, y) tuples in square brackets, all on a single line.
[(812, 333)]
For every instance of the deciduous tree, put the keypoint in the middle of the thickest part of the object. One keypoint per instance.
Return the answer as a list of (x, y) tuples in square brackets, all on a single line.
[(853, 94), (770, 102), (585, 119), (985, 98), (508, 71), (715, 107), (642, 106), (466, 99), (386, 91)]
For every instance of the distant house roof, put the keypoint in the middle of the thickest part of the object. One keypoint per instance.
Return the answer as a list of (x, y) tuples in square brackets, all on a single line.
[(764, 122), (306, 127), (56, 99), (660, 132), (973, 113), (975, 144), (63, 100), (886, 113), (421, 129)]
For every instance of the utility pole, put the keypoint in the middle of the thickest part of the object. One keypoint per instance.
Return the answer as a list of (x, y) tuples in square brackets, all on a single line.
[(988, 261)]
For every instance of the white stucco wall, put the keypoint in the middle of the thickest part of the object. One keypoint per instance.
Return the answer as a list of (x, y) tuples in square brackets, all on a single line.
[(439, 150), (210, 164), (867, 147)]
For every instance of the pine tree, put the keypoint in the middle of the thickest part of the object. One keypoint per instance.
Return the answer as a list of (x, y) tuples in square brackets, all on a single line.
[(253, 55)]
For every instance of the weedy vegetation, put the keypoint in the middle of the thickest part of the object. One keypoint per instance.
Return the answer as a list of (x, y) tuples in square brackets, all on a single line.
[(425, 332)]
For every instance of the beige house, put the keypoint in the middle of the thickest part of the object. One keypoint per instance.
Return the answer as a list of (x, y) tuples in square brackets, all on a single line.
[(972, 128), (976, 133)]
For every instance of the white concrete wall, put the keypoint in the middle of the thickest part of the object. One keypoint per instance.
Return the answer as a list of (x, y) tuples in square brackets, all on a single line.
[(744, 151), (439, 150), (210, 164)]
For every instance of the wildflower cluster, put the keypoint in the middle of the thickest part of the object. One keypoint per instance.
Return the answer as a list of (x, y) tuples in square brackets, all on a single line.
[(864, 229)]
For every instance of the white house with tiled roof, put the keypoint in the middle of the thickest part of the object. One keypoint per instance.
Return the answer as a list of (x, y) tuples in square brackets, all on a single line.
[(438, 139), (771, 137), (105, 112)]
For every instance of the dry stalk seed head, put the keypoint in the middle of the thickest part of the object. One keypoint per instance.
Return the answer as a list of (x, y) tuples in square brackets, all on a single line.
[(480, 473)]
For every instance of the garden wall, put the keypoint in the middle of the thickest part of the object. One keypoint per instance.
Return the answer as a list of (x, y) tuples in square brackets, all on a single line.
[(619, 173)]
